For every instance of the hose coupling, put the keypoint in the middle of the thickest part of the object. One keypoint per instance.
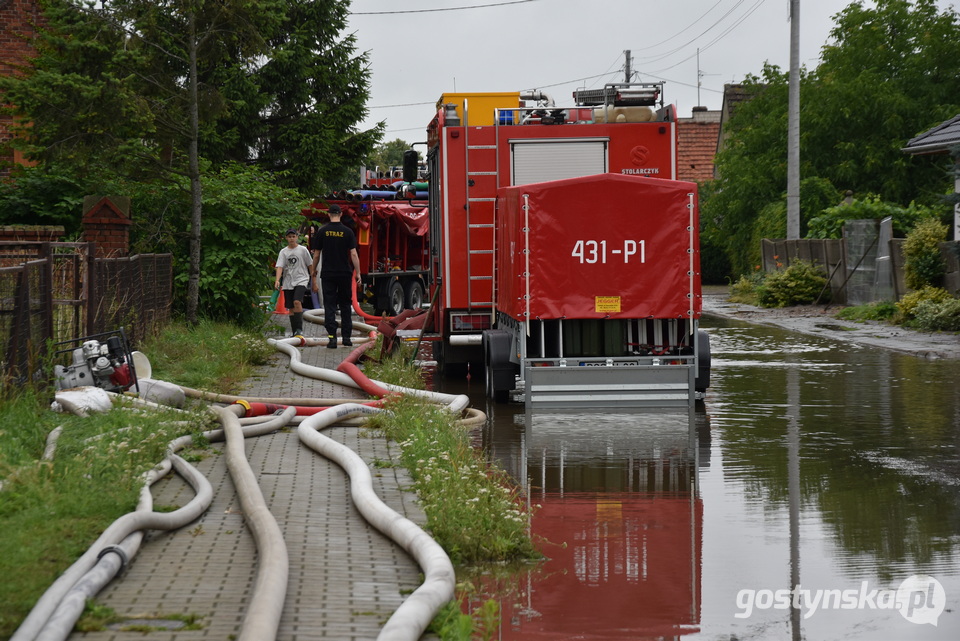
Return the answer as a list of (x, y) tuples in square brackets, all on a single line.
[(115, 549)]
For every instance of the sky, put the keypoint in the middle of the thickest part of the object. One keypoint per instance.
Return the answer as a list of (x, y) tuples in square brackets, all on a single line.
[(420, 49)]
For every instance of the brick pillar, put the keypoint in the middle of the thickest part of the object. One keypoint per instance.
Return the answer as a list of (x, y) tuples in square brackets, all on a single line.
[(17, 18), (106, 222)]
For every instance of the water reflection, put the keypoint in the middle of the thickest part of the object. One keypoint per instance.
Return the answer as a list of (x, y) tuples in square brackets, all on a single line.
[(620, 519), (814, 468)]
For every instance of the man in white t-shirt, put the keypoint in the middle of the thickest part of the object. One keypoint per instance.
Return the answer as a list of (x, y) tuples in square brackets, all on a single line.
[(294, 269)]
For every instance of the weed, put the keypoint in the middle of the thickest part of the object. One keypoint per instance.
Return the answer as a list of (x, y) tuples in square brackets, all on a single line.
[(213, 356), (473, 510), (882, 311)]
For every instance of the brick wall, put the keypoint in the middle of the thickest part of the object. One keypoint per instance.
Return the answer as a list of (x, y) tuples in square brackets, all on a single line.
[(17, 18), (697, 144), (28, 233)]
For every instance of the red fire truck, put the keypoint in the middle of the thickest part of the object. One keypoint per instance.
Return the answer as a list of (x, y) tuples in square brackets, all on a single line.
[(562, 252)]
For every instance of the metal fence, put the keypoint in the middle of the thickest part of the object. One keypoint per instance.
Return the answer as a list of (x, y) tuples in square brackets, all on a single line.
[(843, 262), (55, 292)]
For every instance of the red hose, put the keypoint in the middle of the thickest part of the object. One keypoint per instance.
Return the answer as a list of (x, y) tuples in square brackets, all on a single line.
[(362, 314), (349, 367)]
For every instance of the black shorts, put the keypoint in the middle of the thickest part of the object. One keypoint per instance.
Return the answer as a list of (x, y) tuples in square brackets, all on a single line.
[(295, 294)]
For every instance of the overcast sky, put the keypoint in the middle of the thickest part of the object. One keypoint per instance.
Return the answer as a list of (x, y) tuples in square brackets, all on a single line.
[(420, 49)]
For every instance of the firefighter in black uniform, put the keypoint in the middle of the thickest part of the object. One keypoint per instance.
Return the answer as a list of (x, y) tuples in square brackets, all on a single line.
[(335, 250)]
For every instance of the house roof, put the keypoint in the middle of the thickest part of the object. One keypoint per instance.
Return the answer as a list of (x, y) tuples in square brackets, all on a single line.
[(733, 96), (937, 140)]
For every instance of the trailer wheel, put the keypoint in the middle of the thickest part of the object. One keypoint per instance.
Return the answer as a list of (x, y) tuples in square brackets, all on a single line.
[(413, 294), (395, 298), (702, 381)]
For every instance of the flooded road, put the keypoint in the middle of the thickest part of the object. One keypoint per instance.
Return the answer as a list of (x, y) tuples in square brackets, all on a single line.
[(815, 494)]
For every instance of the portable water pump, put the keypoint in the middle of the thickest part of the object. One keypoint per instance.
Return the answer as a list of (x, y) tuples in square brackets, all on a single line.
[(108, 366)]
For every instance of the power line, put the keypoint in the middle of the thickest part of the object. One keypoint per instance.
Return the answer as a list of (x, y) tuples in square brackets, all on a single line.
[(474, 6), (718, 38), (408, 104)]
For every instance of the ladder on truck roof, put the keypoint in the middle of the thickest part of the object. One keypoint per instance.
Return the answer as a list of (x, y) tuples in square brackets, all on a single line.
[(482, 179)]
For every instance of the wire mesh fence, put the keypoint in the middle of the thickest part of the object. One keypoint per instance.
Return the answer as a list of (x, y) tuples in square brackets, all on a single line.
[(55, 292)]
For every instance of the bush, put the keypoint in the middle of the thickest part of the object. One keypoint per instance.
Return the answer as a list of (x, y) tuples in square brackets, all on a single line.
[(745, 289), (802, 283), (933, 316), (829, 224), (923, 264), (907, 306)]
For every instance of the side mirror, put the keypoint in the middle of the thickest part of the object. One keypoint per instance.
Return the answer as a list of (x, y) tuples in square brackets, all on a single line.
[(411, 160)]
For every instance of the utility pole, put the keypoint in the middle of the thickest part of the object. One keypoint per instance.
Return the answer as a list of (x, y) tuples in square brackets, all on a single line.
[(793, 126), (628, 72)]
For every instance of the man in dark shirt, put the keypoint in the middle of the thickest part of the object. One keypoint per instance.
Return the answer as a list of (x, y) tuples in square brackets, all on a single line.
[(336, 245)]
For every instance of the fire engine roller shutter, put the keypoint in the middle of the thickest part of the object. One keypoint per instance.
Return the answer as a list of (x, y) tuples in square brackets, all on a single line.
[(541, 160)]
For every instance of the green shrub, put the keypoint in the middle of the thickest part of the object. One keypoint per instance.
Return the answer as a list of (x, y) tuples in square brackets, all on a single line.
[(923, 264), (801, 283), (933, 316), (907, 306), (745, 289), (829, 224)]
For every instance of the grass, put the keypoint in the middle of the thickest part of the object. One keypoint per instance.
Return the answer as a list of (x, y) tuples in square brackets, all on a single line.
[(51, 511), (213, 356), (473, 509)]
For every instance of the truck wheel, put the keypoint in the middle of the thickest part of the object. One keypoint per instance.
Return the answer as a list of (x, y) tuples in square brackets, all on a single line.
[(413, 294), (395, 298), (498, 368)]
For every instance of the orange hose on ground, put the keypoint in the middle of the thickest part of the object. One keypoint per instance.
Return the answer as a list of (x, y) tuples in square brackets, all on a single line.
[(265, 409)]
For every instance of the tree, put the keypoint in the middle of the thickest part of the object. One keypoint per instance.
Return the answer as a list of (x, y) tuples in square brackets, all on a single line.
[(165, 90), (388, 154), (890, 72)]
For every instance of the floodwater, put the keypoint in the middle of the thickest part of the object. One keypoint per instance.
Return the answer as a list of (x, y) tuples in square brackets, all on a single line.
[(812, 495)]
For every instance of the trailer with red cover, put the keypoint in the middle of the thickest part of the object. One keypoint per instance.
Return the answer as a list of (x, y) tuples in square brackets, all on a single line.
[(598, 292)]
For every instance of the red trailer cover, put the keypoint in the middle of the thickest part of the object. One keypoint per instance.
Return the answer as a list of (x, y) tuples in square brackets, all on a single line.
[(602, 246), (414, 218)]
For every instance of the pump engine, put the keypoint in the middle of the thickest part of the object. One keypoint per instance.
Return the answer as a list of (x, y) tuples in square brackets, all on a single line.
[(104, 365)]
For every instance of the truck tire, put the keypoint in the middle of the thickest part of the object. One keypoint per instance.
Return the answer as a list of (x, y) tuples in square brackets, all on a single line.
[(702, 381), (413, 294), (394, 298), (500, 372)]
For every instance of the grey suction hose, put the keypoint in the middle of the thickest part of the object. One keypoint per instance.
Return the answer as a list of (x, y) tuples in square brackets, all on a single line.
[(110, 561), (415, 613), (262, 619), (118, 531)]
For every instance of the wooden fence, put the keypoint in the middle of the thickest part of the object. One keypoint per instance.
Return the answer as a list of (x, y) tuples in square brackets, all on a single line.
[(55, 292)]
